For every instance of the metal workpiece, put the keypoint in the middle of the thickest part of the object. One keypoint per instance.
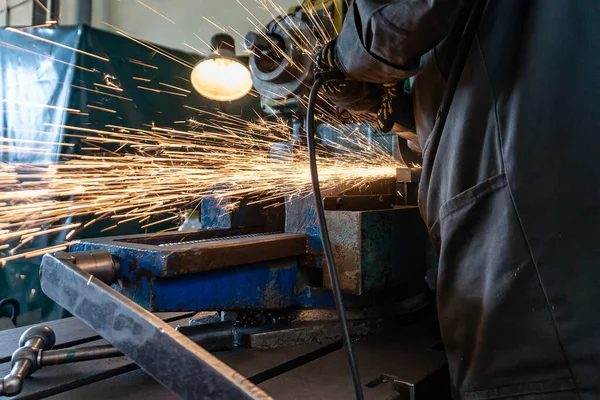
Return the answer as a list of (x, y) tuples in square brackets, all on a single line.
[(245, 213), (182, 253), (407, 185), (375, 195), (408, 174), (171, 358), (99, 263), (25, 359), (360, 202), (201, 270), (216, 336), (307, 332), (236, 251), (376, 250)]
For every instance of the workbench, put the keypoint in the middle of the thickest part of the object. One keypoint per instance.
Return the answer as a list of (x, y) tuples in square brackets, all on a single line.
[(407, 351)]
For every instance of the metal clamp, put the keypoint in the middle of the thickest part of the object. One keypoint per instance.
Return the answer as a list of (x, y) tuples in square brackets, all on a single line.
[(31, 356), (177, 362), (25, 359)]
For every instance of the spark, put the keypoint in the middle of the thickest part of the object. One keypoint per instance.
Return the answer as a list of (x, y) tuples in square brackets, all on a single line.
[(151, 47), (101, 109), (102, 93), (42, 5), (162, 91), (157, 173), (214, 24), (31, 104), (31, 36), (174, 87), (33, 253), (10, 46), (164, 170), (156, 12), (109, 228), (45, 25), (133, 61), (195, 49), (118, 89)]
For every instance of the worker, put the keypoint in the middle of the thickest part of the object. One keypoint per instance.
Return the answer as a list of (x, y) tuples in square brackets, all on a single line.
[(510, 188)]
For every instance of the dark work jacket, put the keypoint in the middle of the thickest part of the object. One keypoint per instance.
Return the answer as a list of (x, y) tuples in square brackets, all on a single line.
[(511, 186)]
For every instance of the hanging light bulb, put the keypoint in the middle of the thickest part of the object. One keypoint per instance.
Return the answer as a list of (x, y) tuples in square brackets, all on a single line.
[(221, 76)]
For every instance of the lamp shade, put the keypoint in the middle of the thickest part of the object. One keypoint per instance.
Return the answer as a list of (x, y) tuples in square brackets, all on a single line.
[(222, 77)]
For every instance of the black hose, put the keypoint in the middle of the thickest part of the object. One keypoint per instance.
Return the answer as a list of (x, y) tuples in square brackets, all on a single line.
[(333, 277)]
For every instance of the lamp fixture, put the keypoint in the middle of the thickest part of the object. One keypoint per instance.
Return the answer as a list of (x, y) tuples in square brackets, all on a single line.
[(222, 76)]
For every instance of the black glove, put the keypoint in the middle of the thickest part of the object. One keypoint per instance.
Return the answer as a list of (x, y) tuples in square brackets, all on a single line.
[(348, 94), (344, 92)]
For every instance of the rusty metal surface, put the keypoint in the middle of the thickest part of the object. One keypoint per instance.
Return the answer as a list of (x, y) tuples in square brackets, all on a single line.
[(157, 239), (228, 253), (190, 252), (376, 250), (308, 332)]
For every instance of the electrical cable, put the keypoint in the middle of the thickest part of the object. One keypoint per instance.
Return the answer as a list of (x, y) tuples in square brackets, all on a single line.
[(469, 34), (333, 277)]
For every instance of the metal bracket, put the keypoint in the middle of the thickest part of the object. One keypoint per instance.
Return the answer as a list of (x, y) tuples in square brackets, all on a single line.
[(171, 358)]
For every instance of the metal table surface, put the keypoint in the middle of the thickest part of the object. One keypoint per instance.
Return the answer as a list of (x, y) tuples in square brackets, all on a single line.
[(309, 371)]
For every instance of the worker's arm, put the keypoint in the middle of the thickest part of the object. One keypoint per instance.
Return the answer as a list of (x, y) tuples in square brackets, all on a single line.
[(382, 41)]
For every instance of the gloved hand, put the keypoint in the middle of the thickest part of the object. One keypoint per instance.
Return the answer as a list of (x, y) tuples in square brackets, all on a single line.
[(348, 94)]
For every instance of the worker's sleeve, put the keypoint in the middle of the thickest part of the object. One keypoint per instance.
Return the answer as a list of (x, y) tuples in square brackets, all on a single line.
[(382, 41)]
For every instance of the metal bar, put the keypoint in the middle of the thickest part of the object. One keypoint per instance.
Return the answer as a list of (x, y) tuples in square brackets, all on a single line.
[(84, 12), (176, 254), (40, 12), (67, 356), (69, 332), (6, 14), (54, 11), (172, 359), (212, 337), (233, 252)]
